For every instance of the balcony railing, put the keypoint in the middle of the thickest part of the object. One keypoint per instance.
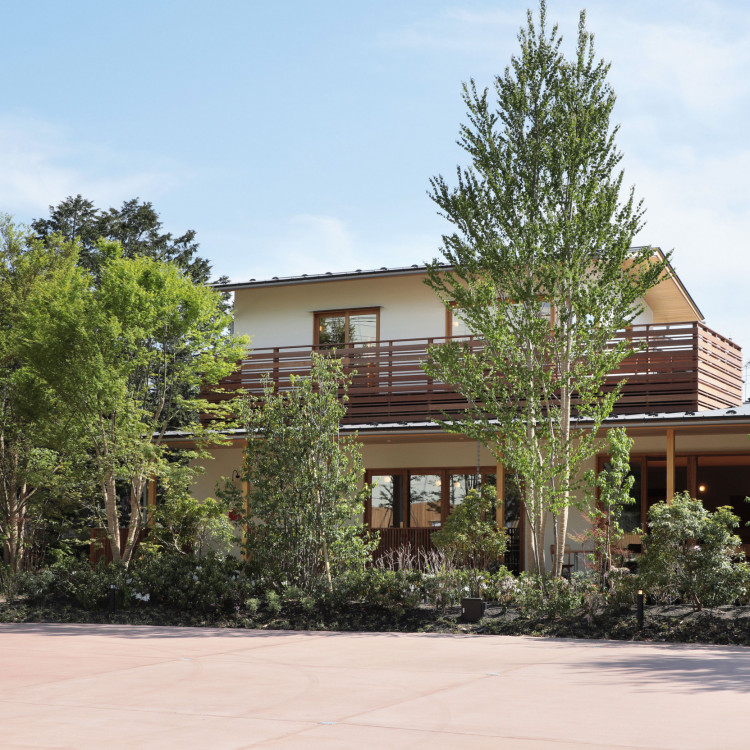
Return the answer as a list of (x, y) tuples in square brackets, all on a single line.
[(680, 367)]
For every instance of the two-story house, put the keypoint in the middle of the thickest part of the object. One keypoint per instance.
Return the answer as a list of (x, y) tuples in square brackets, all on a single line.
[(682, 403)]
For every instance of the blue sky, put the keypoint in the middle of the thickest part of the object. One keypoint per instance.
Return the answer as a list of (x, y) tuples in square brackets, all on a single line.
[(300, 137)]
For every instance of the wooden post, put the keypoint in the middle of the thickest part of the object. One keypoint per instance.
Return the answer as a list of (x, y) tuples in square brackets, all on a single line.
[(670, 465), (500, 494), (692, 475)]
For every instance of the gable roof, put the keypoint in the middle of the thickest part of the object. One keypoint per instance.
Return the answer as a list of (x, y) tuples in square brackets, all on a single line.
[(679, 294)]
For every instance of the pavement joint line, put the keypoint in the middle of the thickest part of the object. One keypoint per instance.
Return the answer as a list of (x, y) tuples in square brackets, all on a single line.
[(169, 711), (523, 738), (458, 733)]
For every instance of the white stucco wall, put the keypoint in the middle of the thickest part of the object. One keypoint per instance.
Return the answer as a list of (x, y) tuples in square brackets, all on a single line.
[(283, 315), (225, 461)]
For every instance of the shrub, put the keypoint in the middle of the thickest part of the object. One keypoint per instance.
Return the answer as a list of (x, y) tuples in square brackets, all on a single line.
[(210, 584), (690, 555), (471, 540), (303, 478), (73, 580)]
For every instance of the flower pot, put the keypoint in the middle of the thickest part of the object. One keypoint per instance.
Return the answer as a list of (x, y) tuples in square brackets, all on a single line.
[(472, 609)]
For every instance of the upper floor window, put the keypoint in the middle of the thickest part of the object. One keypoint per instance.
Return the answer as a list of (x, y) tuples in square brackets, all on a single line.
[(455, 325), (338, 328)]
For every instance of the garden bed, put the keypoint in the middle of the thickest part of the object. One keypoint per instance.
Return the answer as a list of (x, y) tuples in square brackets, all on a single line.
[(673, 624)]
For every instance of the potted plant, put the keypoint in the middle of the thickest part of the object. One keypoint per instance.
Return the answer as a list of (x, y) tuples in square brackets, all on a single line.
[(471, 537)]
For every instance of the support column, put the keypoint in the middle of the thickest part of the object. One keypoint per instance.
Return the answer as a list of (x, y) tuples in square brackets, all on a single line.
[(670, 465), (692, 475)]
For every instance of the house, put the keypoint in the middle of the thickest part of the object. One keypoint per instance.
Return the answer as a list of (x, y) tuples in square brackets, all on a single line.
[(682, 404)]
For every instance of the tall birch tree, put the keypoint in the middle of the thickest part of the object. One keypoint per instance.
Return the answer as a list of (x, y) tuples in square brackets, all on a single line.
[(543, 268)]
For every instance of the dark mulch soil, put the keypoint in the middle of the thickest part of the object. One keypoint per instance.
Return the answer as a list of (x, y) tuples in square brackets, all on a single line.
[(723, 625)]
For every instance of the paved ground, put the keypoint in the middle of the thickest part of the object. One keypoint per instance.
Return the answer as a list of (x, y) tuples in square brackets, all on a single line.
[(82, 686)]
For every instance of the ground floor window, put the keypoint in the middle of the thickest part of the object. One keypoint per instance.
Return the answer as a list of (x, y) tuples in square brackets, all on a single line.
[(715, 479), (424, 498)]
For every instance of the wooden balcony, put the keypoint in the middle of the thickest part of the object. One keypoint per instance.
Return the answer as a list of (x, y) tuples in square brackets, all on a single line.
[(680, 367)]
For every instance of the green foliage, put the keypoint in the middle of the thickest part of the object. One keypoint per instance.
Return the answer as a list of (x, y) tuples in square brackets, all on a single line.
[(305, 509), (273, 602), (394, 590), (181, 524), (692, 555), (209, 585), (615, 483), (73, 580), (135, 226), (117, 363), (470, 534), (29, 471), (542, 269)]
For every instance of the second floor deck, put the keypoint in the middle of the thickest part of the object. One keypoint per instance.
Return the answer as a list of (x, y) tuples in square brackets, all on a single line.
[(678, 367)]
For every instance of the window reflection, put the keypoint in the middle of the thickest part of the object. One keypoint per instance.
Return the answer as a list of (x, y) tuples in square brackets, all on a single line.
[(425, 499), (363, 329), (512, 509), (458, 324), (460, 484), (332, 331), (387, 501), (346, 328)]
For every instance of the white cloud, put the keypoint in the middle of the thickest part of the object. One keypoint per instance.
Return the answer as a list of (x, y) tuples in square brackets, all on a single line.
[(41, 164)]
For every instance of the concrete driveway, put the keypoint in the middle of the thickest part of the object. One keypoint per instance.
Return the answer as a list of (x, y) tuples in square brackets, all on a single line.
[(89, 686)]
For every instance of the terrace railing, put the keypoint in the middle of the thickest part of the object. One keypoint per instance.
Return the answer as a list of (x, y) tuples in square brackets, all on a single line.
[(680, 367)]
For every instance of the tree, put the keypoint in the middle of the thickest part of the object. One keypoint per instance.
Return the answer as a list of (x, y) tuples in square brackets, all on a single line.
[(26, 464), (614, 483), (135, 225), (136, 229), (303, 477), (113, 361), (543, 271)]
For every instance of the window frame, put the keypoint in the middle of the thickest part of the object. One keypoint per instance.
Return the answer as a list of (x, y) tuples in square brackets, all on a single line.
[(345, 312), (453, 305), (406, 474)]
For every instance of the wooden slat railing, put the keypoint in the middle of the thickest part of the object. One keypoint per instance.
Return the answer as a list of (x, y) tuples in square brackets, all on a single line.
[(680, 367)]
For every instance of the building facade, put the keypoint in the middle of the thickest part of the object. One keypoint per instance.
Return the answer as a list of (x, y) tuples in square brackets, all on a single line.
[(682, 403)]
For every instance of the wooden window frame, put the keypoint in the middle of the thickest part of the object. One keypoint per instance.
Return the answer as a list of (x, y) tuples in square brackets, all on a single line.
[(453, 305), (691, 460), (345, 312), (406, 474)]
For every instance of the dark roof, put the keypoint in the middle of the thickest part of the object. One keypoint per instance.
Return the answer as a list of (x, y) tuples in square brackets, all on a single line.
[(738, 415)]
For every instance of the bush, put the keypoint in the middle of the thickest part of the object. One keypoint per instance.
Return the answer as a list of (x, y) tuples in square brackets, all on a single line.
[(210, 584), (73, 580), (303, 477), (469, 539), (691, 555)]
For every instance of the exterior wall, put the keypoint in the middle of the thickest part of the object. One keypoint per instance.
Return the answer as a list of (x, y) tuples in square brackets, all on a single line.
[(440, 452), (283, 315), (225, 461), (401, 455)]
